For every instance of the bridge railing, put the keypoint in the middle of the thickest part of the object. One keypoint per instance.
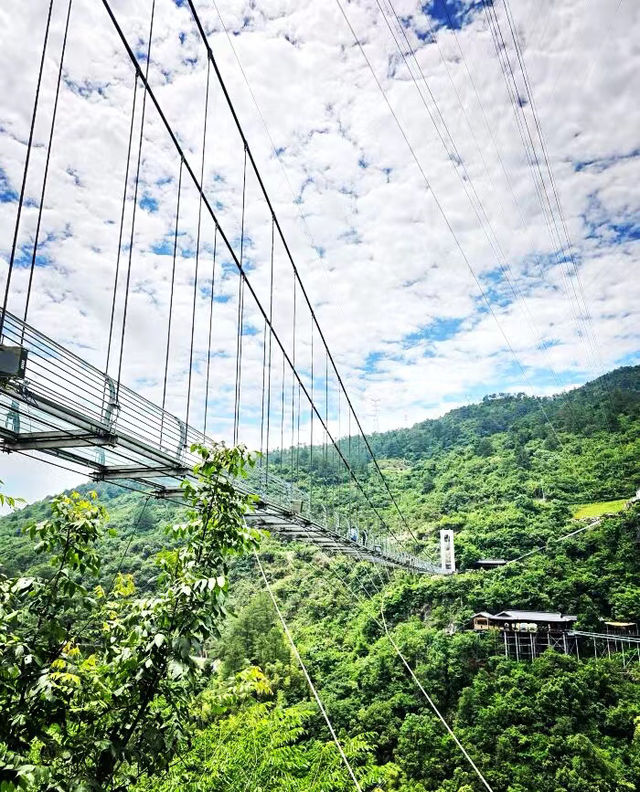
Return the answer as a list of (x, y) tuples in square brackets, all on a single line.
[(124, 435)]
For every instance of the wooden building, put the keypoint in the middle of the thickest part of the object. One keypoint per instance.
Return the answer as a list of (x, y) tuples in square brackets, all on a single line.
[(526, 634), (523, 621)]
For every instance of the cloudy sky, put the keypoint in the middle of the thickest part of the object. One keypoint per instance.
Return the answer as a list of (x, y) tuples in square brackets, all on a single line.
[(457, 185)]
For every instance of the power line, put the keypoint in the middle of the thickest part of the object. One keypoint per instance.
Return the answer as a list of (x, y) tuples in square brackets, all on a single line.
[(441, 210), (312, 687), (382, 624)]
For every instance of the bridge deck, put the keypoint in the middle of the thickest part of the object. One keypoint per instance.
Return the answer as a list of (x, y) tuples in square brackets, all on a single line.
[(67, 408)]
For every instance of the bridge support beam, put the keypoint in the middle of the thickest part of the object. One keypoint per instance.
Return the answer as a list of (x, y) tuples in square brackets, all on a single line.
[(136, 472), (39, 441)]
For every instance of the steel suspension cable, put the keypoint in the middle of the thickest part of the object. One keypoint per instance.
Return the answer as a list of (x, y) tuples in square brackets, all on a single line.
[(442, 213), (270, 322), (433, 705), (526, 134), (145, 82), (564, 252), (213, 283), (282, 414), (149, 92), (197, 261), (293, 380), (588, 322), (311, 423), (289, 255), (26, 169), (45, 176), (121, 230), (238, 393), (171, 293), (382, 624), (326, 401), (457, 161)]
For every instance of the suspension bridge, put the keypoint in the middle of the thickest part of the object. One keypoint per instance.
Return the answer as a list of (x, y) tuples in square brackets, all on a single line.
[(271, 383)]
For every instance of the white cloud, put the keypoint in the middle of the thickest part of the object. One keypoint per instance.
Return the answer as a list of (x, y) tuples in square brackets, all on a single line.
[(390, 277)]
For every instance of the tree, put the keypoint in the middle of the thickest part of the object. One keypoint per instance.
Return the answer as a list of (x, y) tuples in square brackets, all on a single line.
[(96, 685)]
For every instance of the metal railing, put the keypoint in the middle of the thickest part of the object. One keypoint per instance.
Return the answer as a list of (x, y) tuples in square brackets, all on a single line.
[(66, 407)]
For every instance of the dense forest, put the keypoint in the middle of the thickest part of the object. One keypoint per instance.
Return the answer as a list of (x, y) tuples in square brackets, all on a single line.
[(507, 475)]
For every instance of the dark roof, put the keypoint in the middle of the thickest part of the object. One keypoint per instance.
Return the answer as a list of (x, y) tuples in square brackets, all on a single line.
[(527, 615)]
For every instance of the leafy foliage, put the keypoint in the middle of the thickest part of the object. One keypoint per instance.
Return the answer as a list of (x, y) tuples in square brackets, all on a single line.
[(96, 685), (506, 483)]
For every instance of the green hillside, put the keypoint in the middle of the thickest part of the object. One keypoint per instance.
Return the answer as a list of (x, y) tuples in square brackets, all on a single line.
[(506, 475)]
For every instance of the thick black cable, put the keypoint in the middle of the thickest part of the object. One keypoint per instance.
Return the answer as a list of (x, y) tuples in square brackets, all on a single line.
[(213, 283), (149, 92), (171, 293), (145, 83), (211, 57), (45, 175), (197, 261), (25, 172), (121, 231)]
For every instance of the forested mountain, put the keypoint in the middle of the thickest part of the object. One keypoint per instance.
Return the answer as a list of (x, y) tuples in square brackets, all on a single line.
[(507, 475)]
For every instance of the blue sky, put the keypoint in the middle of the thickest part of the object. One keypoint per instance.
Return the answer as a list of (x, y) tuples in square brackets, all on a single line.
[(500, 276)]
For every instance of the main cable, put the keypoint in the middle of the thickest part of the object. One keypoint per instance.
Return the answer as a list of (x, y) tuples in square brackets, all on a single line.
[(151, 94), (442, 212), (135, 196), (211, 57)]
